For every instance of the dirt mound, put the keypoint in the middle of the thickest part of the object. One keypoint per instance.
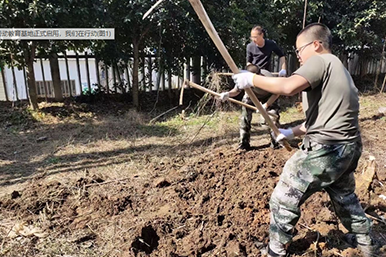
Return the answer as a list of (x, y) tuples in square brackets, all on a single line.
[(216, 205)]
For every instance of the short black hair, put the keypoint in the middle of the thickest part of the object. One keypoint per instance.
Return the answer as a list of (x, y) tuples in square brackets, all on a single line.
[(253, 68), (318, 31)]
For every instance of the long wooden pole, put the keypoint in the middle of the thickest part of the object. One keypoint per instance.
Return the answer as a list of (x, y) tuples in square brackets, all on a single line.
[(204, 89), (200, 11), (305, 13), (151, 9)]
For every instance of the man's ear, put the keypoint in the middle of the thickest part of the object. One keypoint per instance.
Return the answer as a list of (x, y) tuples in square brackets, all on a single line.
[(318, 46)]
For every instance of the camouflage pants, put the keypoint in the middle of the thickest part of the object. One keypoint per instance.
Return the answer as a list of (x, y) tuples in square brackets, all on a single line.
[(314, 168), (246, 120)]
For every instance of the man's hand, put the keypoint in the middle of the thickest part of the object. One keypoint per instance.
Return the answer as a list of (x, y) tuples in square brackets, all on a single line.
[(244, 79), (224, 96), (282, 73), (284, 134)]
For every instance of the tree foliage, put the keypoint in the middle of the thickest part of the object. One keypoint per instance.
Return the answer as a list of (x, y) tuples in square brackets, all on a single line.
[(174, 33)]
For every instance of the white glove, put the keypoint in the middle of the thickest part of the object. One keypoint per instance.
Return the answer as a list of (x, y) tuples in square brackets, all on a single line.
[(282, 73), (264, 106), (244, 79), (224, 96), (284, 134)]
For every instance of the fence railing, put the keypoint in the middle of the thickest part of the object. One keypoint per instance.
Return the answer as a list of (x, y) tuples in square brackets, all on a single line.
[(85, 72)]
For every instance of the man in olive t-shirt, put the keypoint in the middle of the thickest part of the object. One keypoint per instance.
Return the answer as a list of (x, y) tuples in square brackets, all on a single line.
[(331, 103), (331, 147)]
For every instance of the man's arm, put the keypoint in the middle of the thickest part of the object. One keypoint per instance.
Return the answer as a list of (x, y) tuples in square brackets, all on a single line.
[(290, 133), (249, 57), (283, 63), (299, 130), (234, 92), (281, 86), (224, 96)]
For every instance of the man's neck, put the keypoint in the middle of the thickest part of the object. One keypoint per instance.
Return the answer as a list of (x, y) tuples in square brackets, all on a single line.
[(261, 44)]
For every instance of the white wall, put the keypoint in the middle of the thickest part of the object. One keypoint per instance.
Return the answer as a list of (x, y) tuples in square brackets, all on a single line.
[(21, 88)]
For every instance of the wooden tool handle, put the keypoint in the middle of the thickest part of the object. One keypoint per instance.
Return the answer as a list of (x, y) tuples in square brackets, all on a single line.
[(200, 11)]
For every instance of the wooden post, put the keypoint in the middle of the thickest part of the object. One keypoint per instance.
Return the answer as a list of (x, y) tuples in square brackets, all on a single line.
[(44, 79), (150, 70), (122, 86), (107, 79), (79, 74), (68, 74), (200, 11), (380, 66), (114, 78), (4, 83), (97, 71), (88, 72), (170, 85), (163, 80), (383, 84), (143, 72)]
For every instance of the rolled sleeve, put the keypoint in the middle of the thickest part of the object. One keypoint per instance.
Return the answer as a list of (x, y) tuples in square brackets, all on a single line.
[(312, 70)]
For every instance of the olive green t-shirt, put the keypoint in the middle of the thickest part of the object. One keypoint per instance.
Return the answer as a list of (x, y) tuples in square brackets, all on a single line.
[(331, 103)]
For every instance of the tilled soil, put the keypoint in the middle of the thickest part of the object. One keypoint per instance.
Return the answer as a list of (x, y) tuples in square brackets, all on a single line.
[(215, 204)]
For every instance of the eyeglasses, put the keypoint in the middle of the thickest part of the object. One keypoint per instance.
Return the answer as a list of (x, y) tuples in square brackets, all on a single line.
[(298, 50)]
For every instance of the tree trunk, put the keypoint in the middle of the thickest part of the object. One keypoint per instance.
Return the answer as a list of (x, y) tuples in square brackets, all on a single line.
[(44, 80), (55, 74), (16, 94), (4, 83), (68, 74), (114, 78), (143, 70), (25, 84), (97, 72), (135, 74), (88, 73), (79, 74), (170, 86), (107, 79), (30, 57)]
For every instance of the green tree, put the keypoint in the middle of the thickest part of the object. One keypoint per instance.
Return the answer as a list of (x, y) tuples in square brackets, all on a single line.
[(44, 14)]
